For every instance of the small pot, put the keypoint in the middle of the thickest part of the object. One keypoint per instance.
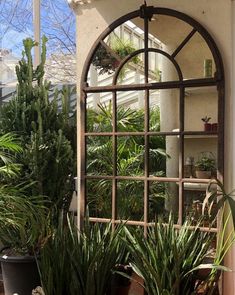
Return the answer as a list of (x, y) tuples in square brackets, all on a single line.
[(207, 127), (203, 174), (214, 127)]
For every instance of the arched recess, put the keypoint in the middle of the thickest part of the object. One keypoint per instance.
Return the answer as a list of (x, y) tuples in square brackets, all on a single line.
[(184, 92)]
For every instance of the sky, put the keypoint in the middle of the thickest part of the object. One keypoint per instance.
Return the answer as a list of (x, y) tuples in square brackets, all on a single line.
[(57, 23)]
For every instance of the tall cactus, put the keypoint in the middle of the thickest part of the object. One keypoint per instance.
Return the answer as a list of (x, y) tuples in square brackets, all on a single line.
[(47, 133)]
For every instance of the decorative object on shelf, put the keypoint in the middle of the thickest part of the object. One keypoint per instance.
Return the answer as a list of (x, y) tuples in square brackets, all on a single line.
[(205, 165), (207, 125), (214, 127), (208, 68)]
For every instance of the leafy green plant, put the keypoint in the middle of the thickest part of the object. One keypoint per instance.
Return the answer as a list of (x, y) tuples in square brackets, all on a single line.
[(9, 148), (80, 263), (24, 226), (206, 119), (165, 258), (205, 163), (46, 132), (130, 161)]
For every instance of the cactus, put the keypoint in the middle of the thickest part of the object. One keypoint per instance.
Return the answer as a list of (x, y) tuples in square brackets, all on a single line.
[(47, 134)]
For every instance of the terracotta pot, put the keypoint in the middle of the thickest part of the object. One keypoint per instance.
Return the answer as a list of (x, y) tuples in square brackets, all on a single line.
[(207, 127), (214, 127), (203, 174)]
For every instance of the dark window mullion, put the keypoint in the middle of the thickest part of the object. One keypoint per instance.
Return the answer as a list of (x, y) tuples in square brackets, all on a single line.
[(181, 154), (146, 125), (114, 154)]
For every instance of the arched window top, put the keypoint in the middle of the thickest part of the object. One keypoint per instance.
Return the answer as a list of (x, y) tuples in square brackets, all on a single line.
[(177, 35)]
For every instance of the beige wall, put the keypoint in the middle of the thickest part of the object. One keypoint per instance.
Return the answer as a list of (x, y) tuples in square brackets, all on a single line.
[(216, 17)]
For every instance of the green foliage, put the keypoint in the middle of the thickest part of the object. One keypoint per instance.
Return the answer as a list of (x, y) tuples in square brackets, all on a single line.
[(205, 164), (24, 226), (80, 263), (130, 161), (47, 133), (166, 257), (9, 148)]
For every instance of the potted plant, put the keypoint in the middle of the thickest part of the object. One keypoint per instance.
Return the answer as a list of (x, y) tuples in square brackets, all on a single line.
[(82, 262), (23, 231), (107, 57), (22, 221), (168, 259), (205, 166), (207, 125)]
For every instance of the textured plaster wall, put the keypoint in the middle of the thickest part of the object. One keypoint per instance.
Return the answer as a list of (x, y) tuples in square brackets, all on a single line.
[(217, 17)]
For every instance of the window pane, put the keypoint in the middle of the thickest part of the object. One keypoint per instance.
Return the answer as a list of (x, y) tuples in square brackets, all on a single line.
[(130, 200), (99, 198)]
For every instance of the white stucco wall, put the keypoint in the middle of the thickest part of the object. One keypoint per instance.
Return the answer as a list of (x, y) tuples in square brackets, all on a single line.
[(217, 16)]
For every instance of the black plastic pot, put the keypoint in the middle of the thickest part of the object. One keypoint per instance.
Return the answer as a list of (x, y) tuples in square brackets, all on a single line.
[(20, 274)]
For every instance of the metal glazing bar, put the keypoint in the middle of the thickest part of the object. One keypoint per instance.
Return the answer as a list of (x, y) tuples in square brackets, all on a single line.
[(184, 42)]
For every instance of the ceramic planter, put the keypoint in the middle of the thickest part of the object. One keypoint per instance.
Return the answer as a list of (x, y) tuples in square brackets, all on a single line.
[(20, 274), (203, 174)]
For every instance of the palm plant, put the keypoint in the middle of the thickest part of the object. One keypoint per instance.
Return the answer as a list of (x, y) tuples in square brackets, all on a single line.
[(130, 160), (9, 148), (24, 226)]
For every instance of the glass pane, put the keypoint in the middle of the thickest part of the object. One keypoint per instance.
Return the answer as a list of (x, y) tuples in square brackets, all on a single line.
[(197, 54), (123, 41), (200, 157), (99, 198), (99, 112), (130, 200), (99, 155), (163, 199), (161, 69), (133, 71), (168, 31), (201, 109), (130, 111), (194, 195), (164, 110), (164, 156), (130, 155)]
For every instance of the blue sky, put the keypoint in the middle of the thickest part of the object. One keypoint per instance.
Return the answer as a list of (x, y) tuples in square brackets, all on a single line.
[(57, 23)]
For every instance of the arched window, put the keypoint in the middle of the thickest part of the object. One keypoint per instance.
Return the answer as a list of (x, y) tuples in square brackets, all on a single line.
[(150, 84)]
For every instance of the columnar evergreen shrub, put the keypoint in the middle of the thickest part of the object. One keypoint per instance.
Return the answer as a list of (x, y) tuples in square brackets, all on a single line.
[(47, 133)]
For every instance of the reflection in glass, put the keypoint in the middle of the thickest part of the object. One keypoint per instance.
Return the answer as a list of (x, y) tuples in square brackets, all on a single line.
[(201, 105), (99, 155), (194, 195), (169, 31), (196, 53), (99, 112), (164, 156), (163, 199), (161, 69), (133, 71), (130, 200), (130, 155), (99, 198), (200, 156), (130, 111), (164, 110)]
